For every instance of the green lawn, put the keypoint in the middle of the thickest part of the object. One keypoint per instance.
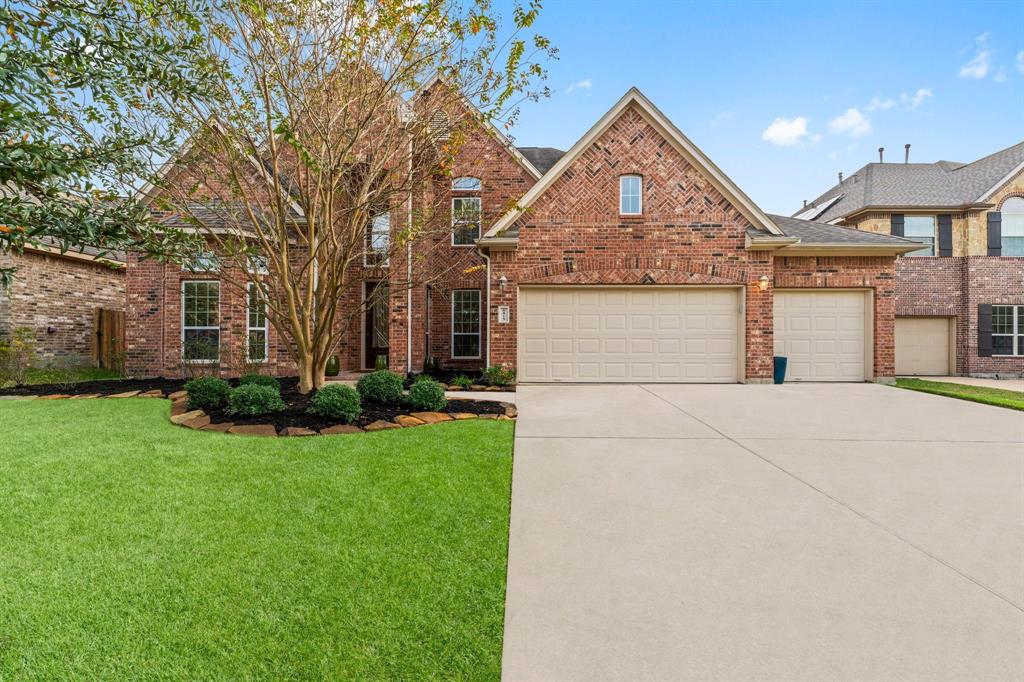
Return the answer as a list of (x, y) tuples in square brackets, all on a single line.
[(133, 549), (979, 394), (51, 375)]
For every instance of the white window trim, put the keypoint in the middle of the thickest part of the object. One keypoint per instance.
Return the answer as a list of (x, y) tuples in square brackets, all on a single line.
[(640, 197), (366, 252), (1015, 336), (1003, 212), (265, 328), (479, 182), (479, 222), (185, 282), (479, 331)]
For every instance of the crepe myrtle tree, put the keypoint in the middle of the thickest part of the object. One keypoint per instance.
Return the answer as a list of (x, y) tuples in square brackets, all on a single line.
[(321, 153)]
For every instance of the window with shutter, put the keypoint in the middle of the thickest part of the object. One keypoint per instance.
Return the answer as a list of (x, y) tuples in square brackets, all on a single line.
[(995, 239), (896, 225), (946, 235), (1011, 238)]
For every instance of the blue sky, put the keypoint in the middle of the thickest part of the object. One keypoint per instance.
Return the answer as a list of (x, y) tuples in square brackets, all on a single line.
[(783, 96)]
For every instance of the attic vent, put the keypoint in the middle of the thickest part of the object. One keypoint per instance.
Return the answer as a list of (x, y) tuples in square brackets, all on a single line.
[(439, 125)]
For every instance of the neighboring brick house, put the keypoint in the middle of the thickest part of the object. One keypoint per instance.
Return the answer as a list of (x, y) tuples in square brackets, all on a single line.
[(631, 257), (960, 298), (56, 295)]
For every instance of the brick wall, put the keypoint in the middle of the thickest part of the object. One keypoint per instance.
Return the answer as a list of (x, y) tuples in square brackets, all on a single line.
[(55, 296)]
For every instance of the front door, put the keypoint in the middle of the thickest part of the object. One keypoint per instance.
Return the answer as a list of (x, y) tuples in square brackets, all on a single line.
[(376, 330)]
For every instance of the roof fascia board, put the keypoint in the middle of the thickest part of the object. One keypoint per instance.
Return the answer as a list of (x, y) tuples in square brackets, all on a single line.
[(74, 255), (825, 249)]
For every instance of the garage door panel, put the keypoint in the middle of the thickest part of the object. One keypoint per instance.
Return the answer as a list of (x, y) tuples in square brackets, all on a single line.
[(822, 333), (621, 334), (922, 346)]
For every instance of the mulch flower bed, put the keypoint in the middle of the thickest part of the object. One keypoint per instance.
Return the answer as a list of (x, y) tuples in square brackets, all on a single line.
[(103, 387)]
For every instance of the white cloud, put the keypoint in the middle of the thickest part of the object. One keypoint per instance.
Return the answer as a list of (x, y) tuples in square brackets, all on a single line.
[(877, 103), (852, 123), (980, 64), (786, 132), (917, 99), (1020, 61), (584, 84)]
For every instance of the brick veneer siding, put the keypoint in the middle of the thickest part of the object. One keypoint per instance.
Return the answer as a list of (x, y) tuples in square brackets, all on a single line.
[(954, 287), (59, 293)]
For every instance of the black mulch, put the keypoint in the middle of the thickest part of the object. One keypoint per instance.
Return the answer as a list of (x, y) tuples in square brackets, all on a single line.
[(103, 387)]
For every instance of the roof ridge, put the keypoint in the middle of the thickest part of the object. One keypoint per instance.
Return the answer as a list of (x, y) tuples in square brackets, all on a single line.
[(988, 156)]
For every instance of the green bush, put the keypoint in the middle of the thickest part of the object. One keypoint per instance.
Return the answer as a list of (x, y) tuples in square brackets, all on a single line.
[(206, 393), (496, 375), (381, 386), (337, 401), (427, 394), (381, 363), (260, 380), (253, 400), (462, 381)]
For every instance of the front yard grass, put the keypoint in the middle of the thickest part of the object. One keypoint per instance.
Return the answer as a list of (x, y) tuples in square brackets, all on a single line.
[(979, 394), (134, 549)]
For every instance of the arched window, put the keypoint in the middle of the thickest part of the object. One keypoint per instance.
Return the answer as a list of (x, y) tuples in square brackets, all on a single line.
[(631, 201), (466, 184), (1013, 227)]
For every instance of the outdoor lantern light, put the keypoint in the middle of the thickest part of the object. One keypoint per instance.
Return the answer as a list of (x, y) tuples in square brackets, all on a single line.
[(762, 282), (502, 281)]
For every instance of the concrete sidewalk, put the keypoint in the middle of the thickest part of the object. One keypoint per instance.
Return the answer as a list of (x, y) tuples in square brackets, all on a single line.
[(1006, 384), (796, 532)]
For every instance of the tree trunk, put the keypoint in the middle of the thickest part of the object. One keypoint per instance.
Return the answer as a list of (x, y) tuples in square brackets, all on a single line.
[(307, 374)]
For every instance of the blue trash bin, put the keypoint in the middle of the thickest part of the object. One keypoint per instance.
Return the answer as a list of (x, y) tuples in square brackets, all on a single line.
[(780, 369)]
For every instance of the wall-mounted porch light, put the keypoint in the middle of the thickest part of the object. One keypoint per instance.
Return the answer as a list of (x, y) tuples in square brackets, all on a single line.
[(502, 282), (762, 282)]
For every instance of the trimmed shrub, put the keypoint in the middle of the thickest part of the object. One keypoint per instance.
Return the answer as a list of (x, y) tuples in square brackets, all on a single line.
[(462, 381), (206, 393), (427, 394), (338, 401), (260, 380), (381, 386), (253, 400), (496, 375)]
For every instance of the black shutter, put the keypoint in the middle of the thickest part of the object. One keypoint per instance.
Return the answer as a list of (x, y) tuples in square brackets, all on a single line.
[(984, 330), (896, 225), (946, 235), (995, 233)]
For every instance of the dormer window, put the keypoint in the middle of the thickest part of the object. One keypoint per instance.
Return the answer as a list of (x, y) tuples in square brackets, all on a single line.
[(631, 195)]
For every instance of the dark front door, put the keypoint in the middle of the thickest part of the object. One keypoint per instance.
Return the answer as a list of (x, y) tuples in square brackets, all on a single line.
[(376, 332)]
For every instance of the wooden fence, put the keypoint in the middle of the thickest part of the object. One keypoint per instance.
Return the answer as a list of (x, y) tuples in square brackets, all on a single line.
[(108, 339)]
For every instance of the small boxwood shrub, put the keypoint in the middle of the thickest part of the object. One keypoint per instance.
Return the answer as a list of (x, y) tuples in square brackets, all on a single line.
[(253, 400), (427, 394), (338, 401), (462, 381), (496, 375), (381, 386), (206, 393), (260, 380)]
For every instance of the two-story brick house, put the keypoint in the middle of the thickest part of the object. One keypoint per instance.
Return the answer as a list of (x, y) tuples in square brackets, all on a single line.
[(960, 297), (630, 257)]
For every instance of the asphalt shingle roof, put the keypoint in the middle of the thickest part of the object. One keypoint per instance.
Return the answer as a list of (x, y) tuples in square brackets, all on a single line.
[(542, 158), (812, 232), (943, 184)]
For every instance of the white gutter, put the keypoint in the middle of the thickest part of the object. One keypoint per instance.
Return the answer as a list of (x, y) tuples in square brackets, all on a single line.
[(408, 282)]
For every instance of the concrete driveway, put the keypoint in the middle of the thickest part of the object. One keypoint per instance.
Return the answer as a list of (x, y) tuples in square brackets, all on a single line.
[(797, 532)]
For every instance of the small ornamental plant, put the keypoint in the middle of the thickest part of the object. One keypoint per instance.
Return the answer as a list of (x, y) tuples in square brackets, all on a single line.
[(253, 400), (497, 375), (381, 386), (206, 393), (427, 394), (260, 380), (462, 381), (337, 401)]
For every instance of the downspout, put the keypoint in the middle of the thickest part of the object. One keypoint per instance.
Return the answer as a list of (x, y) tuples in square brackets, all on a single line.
[(487, 352), (408, 283)]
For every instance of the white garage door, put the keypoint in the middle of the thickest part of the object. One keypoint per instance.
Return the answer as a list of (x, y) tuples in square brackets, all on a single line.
[(922, 346), (822, 334), (624, 334)]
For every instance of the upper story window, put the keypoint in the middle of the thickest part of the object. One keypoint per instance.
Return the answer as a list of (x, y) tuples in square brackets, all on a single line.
[(631, 195), (920, 228), (1008, 330), (466, 184), (201, 262), (467, 210), (1013, 227), (378, 240)]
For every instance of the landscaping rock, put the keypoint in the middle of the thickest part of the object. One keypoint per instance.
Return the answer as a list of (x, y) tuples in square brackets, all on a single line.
[(504, 417), (297, 431), (405, 420), (223, 427), (197, 422), (511, 411), (494, 388), (487, 416), (179, 407), (381, 425), (126, 394), (477, 387), (265, 430), (155, 393), (178, 395), (463, 415), (54, 396), (185, 416), (85, 395), (432, 417), (18, 397), (340, 428)]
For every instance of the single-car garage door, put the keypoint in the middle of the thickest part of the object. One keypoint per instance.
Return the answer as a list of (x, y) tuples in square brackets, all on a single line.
[(628, 334), (822, 333), (922, 346)]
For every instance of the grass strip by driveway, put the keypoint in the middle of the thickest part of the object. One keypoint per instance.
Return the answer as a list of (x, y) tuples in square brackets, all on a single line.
[(979, 394), (134, 549)]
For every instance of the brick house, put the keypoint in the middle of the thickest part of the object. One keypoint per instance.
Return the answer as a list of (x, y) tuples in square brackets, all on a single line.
[(960, 297), (56, 293), (630, 257)]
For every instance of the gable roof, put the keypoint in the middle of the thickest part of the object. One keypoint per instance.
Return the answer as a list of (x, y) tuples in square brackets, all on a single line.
[(943, 184), (693, 154), (543, 158)]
